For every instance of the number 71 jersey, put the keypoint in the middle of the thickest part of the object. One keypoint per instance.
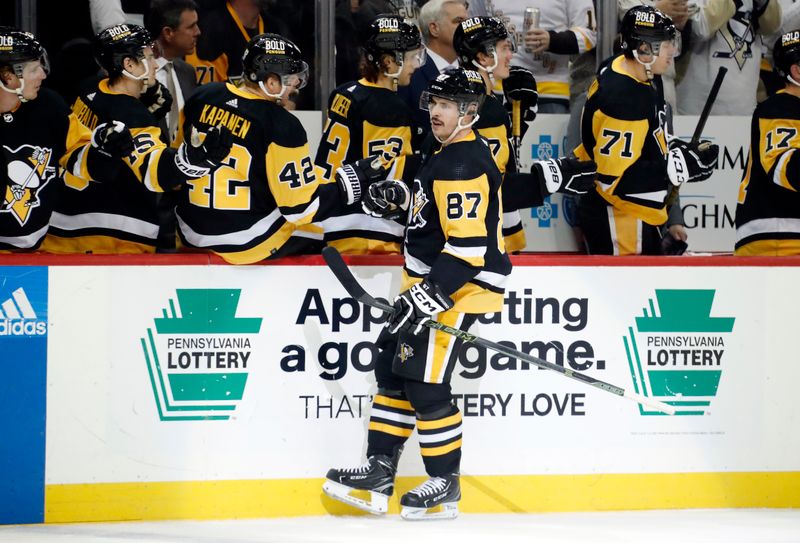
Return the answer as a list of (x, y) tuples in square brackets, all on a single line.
[(623, 131)]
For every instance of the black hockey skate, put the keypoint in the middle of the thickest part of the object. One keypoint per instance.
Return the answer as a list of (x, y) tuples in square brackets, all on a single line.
[(368, 486), (436, 498)]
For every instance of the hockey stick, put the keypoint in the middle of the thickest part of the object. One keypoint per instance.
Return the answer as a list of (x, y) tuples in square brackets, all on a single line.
[(701, 121), (356, 291), (712, 97), (516, 128)]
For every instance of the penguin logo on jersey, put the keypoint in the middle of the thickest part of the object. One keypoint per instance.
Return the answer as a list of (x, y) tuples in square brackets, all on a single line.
[(28, 172), (738, 34), (415, 219), (405, 352)]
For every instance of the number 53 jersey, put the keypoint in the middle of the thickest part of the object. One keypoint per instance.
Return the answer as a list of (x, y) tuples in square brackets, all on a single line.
[(623, 131), (364, 120), (246, 209), (453, 233)]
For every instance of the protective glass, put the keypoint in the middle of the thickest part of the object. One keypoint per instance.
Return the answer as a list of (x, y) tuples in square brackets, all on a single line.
[(670, 47), (417, 57), (297, 80)]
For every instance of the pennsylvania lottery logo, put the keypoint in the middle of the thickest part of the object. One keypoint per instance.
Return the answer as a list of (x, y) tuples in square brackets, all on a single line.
[(676, 350), (198, 355)]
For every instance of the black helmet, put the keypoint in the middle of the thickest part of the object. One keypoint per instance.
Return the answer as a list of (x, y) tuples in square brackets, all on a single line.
[(645, 24), (268, 54), (478, 35), (116, 43), (17, 48), (462, 86), (390, 35), (786, 52)]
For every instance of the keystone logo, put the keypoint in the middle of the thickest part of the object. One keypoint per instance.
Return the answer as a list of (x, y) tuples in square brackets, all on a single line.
[(18, 318), (198, 354), (675, 351)]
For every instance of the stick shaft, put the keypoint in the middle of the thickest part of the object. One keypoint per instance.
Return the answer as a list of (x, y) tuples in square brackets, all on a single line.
[(712, 97), (351, 285)]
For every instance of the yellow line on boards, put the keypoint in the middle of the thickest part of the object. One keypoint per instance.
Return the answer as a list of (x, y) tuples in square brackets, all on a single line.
[(481, 494)]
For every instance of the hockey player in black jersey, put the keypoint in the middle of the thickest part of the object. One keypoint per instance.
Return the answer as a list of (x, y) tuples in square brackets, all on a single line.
[(118, 214), (768, 210), (366, 118), (455, 269), (623, 128), (484, 44), (42, 143), (247, 209)]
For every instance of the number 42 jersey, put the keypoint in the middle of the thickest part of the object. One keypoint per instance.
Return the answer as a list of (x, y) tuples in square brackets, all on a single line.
[(247, 208)]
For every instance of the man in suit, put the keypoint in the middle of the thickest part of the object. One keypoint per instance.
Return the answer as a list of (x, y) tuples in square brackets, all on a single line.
[(438, 20), (173, 24)]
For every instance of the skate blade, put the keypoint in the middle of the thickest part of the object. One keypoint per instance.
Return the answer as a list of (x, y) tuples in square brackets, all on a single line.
[(366, 500), (441, 511)]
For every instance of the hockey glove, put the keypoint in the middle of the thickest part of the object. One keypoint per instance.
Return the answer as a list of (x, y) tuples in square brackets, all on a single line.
[(197, 158), (520, 85), (567, 175), (113, 139), (387, 199), (353, 179), (414, 307), (687, 163), (157, 100)]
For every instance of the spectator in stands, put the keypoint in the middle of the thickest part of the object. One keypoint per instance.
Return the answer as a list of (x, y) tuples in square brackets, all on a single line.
[(725, 33), (566, 28), (225, 33), (438, 20), (106, 13)]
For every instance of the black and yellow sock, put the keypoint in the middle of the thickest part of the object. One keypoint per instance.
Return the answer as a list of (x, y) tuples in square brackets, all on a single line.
[(440, 443), (391, 422)]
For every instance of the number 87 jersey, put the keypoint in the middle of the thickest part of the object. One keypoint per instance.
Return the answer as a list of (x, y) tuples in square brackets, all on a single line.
[(246, 209)]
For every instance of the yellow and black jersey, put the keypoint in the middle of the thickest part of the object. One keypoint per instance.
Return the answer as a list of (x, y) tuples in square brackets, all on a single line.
[(247, 208), (42, 143), (364, 120), (454, 234), (118, 212), (494, 125), (768, 210), (221, 44), (623, 131)]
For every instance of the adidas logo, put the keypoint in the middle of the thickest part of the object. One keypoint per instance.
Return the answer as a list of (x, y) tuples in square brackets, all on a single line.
[(17, 317), (90, 97), (233, 103)]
